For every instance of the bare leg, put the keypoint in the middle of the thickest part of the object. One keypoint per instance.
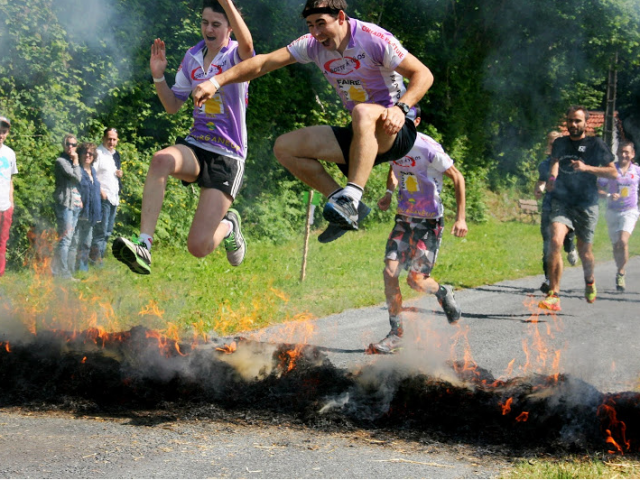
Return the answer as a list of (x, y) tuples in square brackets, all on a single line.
[(422, 283), (392, 287), (554, 259), (588, 261), (206, 232), (621, 251), (299, 150), (177, 161)]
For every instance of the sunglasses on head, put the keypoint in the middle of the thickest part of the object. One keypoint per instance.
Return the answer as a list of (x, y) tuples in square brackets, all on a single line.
[(72, 144)]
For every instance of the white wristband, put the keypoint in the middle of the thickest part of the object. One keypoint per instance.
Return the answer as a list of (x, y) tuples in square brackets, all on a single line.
[(608, 195), (390, 191), (215, 83), (158, 80)]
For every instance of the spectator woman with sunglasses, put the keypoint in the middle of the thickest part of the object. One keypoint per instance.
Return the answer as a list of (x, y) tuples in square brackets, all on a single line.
[(68, 203)]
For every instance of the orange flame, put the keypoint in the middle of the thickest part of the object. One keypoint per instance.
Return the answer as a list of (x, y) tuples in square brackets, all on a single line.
[(523, 417), (506, 406), (615, 427), (228, 349)]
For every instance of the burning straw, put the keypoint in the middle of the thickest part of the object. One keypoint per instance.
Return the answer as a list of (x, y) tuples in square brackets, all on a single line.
[(141, 368)]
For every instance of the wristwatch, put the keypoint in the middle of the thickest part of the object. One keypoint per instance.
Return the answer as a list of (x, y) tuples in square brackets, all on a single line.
[(404, 107)]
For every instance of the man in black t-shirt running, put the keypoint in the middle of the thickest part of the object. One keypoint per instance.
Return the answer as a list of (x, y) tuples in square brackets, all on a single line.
[(576, 162)]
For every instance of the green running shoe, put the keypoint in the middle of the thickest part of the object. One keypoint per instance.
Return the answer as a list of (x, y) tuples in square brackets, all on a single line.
[(590, 292), (133, 254), (234, 244)]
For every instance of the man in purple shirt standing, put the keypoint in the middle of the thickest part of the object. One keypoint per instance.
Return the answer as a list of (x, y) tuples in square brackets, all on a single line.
[(366, 66), (212, 154)]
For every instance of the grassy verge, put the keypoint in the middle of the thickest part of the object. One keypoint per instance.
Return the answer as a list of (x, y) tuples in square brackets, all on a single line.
[(211, 295), (576, 467)]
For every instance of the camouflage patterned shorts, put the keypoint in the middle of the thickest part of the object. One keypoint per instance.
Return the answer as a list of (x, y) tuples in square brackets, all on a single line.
[(414, 242)]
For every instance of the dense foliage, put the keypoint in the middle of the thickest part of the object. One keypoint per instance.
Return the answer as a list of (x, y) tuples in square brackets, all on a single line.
[(504, 73)]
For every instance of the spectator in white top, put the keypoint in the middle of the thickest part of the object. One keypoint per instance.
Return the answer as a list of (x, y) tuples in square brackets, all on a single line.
[(108, 168), (7, 170)]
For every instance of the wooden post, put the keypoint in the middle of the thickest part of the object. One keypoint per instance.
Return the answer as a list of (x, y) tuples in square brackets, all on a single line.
[(307, 232)]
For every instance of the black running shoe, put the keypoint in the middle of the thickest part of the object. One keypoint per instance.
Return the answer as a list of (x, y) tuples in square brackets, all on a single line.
[(392, 343), (133, 254), (341, 211), (448, 303), (334, 232)]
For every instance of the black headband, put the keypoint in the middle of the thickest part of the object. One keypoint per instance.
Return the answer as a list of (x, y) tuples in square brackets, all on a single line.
[(320, 10)]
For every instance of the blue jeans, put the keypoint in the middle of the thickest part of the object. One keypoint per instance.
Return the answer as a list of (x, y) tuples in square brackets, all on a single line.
[(67, 219), (103, 230), (78, 257)]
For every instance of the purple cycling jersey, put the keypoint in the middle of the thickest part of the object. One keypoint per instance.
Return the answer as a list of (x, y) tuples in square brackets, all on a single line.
[(365, 72), (220, 124), (626, 185), (419, 175)]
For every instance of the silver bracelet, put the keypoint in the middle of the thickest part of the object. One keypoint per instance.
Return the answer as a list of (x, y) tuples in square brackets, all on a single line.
[(215, 83), (158, 80), (390, 191)]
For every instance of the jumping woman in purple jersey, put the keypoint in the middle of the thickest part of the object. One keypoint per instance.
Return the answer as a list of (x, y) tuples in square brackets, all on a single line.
[(212, 154)]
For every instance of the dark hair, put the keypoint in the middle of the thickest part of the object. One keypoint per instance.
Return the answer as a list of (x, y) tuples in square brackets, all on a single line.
[(418, 110), (84, 148), (215, 6), (575, 108), (332, 7), (109, 129), (626, 143)]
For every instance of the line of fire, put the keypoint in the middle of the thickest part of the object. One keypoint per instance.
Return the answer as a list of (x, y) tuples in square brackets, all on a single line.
[(54, 354)]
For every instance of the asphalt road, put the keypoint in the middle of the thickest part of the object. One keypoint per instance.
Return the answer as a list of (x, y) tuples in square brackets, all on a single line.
[(598, 343)]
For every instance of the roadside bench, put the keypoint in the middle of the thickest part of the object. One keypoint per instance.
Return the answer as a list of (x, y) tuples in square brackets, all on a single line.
[(529, 208)]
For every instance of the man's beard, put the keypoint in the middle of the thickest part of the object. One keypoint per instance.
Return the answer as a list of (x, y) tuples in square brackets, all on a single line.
[(578, 132)]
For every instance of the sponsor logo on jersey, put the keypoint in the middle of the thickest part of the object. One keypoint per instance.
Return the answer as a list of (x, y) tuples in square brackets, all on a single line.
[(303, 38), (198, 74), (387, 38), (406, 162), (342, 66)]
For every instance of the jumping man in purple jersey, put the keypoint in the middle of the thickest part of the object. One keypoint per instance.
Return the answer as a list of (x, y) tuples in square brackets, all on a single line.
[(366, 66), (214, 151)]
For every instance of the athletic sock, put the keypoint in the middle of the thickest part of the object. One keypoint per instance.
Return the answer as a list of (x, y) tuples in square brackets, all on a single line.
[(396, 324), (229, 224), (147, 240), (354, 191), (334, 192)]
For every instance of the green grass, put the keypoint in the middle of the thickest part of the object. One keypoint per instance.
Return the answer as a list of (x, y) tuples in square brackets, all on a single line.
[(575, 467), (266, 289)]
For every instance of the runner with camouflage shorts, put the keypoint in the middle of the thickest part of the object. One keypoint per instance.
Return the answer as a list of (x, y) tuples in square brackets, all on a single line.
[(415, 239)]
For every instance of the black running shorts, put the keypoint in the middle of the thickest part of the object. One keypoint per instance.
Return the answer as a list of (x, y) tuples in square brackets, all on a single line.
[(404, 142), (216, 171)]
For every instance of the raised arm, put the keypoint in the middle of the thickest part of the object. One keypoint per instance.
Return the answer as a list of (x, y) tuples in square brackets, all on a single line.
[(243, 72), (158, 64), (240, 29), (460, 225)]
